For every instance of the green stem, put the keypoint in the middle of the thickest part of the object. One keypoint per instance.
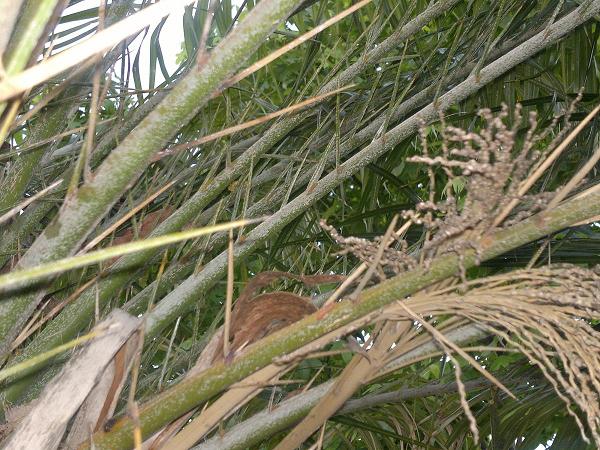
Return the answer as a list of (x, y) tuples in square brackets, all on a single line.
[(82, 212), (265, 424), (198, 388), (18, 278), (32, 22), (77, 315), (22, 228), (52, 120)]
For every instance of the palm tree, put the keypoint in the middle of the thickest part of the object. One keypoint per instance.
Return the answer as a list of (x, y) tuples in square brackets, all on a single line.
[(414, 180)]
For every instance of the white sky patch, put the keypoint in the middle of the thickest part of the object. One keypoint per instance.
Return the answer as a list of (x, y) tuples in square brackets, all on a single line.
[(171, 38)]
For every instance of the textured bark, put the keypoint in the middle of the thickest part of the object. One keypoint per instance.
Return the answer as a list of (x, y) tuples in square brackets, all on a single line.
[(81, 213), (182, 299), (199, 388)]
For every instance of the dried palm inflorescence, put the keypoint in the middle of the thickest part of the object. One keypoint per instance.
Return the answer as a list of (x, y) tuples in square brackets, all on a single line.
[(397, 260), (543, 313), (494, 164)]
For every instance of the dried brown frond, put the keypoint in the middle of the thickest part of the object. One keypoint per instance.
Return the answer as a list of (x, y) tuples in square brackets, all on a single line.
[(544, 313)]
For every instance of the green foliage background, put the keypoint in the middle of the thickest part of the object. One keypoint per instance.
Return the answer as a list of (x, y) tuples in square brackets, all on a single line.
[(362, 205)]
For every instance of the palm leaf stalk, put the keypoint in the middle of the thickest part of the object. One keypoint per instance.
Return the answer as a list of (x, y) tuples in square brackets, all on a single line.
[(196, 389), (77, 315), (423, 83), (124, 164)]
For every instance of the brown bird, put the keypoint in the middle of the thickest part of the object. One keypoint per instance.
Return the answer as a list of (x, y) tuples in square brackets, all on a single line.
[(254, 317)]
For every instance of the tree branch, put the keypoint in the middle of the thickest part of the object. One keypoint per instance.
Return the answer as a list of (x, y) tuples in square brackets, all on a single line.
[(198, 388), (76, 315), (124, 165)]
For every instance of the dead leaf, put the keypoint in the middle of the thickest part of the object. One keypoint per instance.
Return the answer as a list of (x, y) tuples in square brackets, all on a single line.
[(100, 404), (46, 423)]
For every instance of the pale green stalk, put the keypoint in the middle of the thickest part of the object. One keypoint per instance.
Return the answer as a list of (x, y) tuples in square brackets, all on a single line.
[(31, 364), (82, 212), (23, 277), (77, 315), (198, 388), (51, 121)]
